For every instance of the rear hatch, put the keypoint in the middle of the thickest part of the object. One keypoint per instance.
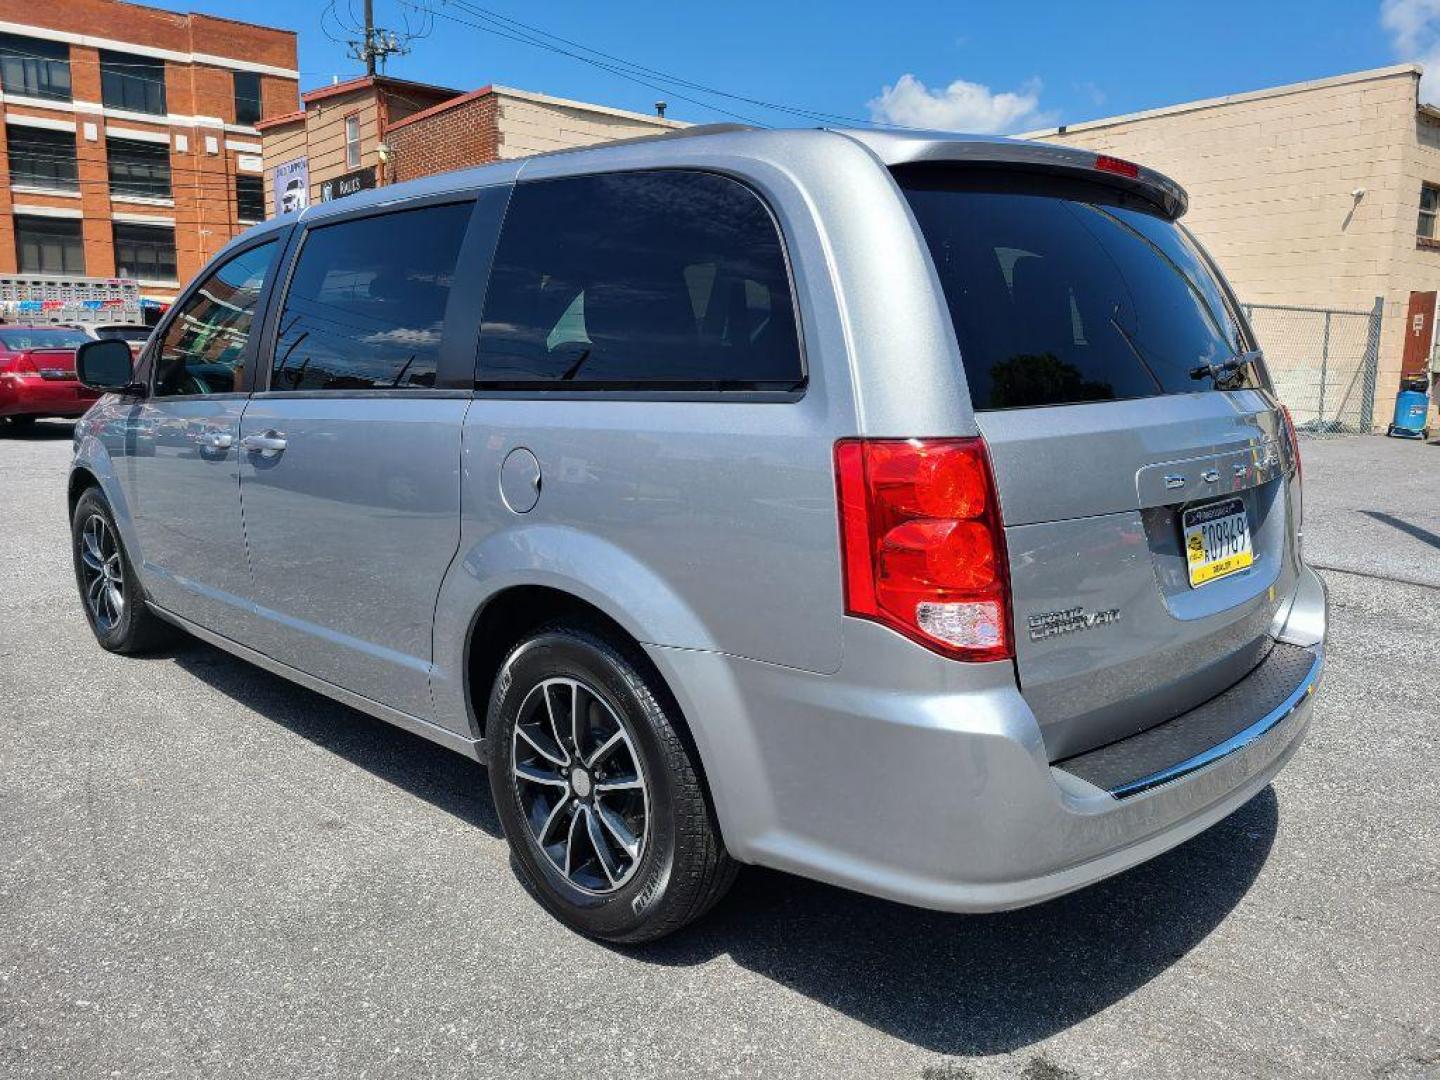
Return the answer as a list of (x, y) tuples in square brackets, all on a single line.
[(1143, 465)]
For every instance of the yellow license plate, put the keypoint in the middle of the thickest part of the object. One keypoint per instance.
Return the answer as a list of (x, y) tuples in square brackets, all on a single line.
[(1217, 541)]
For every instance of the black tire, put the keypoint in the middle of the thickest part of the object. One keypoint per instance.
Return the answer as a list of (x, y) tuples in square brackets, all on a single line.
[(129, 627), (21, 423), (681, 868)]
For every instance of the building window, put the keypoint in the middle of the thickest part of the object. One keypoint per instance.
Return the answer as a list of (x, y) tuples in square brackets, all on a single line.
[(249, 198), (33, 68), (247, 97), (352, 141), (146, 252), (138, 169), (49, 245), (40, 157), (135, 83), (1429, 207)]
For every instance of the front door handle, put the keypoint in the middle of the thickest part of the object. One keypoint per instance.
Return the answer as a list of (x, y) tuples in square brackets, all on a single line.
[(267, 445), (217, 440)]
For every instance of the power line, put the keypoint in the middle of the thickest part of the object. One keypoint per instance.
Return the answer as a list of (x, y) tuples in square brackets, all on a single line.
[(513, 29), (621, 72), (655, 72)]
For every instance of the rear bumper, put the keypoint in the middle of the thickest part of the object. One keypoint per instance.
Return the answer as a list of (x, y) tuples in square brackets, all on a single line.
[(26, 396), (1250, 711), (894, 779)]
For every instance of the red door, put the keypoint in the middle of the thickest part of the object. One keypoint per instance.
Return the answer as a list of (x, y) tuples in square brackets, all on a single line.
[(1419, 333)]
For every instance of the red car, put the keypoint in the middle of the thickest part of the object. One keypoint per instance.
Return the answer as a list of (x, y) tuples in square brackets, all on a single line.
[(37, 374)]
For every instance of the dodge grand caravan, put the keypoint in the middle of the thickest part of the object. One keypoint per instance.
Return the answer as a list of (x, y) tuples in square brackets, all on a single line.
[(911, 512)]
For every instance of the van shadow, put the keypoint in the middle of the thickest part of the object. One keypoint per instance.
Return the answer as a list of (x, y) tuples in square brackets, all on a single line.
[(971, 985), (441, 777), (952, 984)]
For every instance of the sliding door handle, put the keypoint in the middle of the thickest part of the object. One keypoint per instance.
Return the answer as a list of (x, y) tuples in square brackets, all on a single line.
[(267, 445)]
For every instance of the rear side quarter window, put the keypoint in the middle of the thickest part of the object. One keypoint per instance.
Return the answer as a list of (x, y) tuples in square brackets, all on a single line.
[(655, 280)]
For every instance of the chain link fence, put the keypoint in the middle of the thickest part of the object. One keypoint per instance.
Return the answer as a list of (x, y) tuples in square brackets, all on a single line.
[(1323, 362)]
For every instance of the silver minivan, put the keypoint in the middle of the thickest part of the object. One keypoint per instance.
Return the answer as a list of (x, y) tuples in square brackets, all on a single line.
[(908, 511)]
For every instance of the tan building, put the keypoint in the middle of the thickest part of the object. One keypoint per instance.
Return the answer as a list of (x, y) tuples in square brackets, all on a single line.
[(496, 122), (129, 136), (375, 130), (336, 136), (1321, 194)]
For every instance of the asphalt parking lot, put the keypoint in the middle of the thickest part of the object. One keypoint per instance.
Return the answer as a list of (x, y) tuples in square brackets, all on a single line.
[(207, 871)]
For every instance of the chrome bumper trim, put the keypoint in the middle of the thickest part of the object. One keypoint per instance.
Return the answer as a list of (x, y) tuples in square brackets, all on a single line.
[(1237, 742)]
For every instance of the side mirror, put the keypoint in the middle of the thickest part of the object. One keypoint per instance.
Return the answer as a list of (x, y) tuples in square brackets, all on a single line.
[(105, 365)]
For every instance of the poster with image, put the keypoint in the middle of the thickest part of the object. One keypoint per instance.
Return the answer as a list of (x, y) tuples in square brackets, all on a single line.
[(292, 185)]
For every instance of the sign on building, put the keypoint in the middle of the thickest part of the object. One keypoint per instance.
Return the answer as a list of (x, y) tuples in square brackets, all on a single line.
[(292, 185), (348, 184)]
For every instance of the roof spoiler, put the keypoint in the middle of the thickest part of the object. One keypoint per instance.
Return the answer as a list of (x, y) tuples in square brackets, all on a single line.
[(903, 148)]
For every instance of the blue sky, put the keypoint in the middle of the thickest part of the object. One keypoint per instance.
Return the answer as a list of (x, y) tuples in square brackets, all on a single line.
[(996, 66)]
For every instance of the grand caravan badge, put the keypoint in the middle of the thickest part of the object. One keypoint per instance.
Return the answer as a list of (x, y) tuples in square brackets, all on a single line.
[(1050, 624)]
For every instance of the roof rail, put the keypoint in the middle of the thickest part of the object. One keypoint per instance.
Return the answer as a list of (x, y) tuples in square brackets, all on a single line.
[(677, 133)]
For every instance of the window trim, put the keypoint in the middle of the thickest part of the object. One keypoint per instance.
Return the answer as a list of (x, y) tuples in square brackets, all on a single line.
[(68, 61), (650, 391), (239, 217), (284, 278), (15, 226), (158, 226), (135, 60), (359, 139), (1434, 214), (69, 187), (156, 152), (262, 313), (235, 77)]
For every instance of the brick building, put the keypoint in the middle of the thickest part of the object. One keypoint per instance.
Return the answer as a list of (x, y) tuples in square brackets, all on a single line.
[(129, 136), (1321, 194), (497, 122), (375, 130)]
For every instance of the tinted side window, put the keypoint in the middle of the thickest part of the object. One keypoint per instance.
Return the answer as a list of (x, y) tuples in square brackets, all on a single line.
[(204, 346), (664, 280), (366, 306)]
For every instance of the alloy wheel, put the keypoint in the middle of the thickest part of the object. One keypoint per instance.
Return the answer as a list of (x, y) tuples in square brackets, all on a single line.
[(103, 572), (581, 785)]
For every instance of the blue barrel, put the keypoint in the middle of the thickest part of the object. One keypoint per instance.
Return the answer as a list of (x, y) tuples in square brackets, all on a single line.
[(1411, 407)]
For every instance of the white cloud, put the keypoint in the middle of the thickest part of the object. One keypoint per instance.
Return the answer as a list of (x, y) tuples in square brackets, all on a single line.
[(961, 106), (1414, 29)]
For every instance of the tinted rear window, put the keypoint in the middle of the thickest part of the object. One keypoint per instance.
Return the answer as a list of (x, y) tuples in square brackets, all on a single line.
[(123, 333), (58, 338), (1063, 293), (657, 280)]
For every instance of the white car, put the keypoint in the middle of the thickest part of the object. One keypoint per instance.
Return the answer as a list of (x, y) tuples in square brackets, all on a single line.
[(130, 333)]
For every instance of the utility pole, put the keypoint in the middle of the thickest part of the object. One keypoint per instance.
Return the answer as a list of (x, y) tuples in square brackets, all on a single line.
[(376, 43), (369, 37)]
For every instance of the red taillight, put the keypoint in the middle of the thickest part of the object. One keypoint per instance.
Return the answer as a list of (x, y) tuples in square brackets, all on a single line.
[(1294, 441), (18, 365), (922, 544), (1106, 163)]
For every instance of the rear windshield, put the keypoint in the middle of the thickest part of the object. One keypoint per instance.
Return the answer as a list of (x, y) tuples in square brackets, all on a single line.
[(123, 333), (1062, 292), (59, 338)]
